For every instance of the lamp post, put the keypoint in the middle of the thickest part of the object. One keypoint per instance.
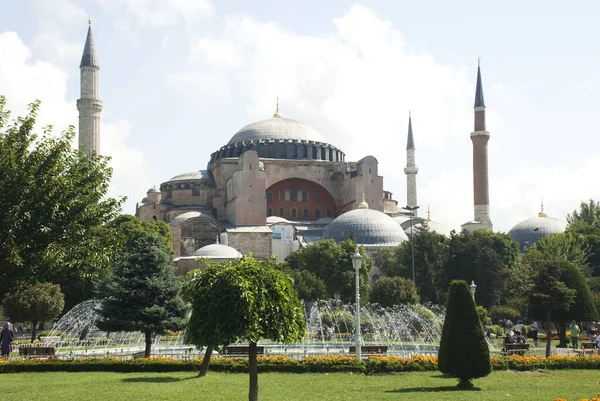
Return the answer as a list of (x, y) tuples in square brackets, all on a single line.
[(412, 242), (357, 263), (473, 287)]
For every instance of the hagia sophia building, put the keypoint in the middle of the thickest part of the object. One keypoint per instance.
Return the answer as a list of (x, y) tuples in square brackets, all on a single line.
[(278, 185)]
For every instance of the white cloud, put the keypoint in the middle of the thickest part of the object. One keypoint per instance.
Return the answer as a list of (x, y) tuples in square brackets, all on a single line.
[(159, 13)]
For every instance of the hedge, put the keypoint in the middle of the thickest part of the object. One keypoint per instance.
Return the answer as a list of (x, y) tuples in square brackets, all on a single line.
[(373, 365)]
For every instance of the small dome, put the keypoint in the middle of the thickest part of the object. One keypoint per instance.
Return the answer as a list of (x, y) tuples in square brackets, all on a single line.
[(217, 251), (529, 231), (276, 219), (367, 227), (277, 128), (433, 226), (153, 190), (194, 175)]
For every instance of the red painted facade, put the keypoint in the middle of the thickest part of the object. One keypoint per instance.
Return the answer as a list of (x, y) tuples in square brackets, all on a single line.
[(300, 199)]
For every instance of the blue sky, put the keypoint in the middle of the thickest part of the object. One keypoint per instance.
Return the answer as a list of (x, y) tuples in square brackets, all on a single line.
[(180, 77)]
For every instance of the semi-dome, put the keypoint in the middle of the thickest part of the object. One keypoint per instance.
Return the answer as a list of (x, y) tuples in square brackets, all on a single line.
[(367, 227), (529, 231), (217, 251), (193, 175), (277, 128)]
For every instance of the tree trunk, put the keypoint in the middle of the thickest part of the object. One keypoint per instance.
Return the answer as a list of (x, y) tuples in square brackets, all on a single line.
[(148, 350), (253, 370), (548, 335), (33, 330), (205, 361), (561, 328)]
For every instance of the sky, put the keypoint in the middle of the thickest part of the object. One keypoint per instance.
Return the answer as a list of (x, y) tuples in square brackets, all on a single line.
[(178, 78)]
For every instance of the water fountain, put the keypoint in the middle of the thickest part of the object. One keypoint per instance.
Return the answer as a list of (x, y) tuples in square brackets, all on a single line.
[(405, 330)]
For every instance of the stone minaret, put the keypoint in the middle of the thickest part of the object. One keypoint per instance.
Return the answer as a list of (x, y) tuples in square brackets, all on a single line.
[(411, 169), (480, 139), (89, 105)]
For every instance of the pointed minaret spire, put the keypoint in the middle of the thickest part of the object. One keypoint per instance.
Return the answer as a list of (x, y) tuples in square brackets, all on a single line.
[(411, 169), (480, 138), (88, 104), (410, 142)]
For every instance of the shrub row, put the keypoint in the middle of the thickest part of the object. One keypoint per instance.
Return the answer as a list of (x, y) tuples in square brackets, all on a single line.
[(373, 365)]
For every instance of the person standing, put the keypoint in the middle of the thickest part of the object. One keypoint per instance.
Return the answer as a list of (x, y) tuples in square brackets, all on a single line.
[(575, 334), (6, 338), (534, 332)]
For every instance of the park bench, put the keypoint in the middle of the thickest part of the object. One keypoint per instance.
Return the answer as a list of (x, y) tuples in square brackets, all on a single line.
[(515, 349), (241, 350), (36, 351), (369, 350), (587, 348)]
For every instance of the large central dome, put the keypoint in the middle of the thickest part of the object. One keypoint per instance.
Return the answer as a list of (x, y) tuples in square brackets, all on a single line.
[(277, 128)]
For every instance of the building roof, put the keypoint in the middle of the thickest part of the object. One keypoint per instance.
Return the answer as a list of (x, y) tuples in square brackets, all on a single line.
[(277, 128), (179, 220), (529, 231), (153, 190), (217, 251), (89, 58), (433, 226), (193, 175), (367, 227)]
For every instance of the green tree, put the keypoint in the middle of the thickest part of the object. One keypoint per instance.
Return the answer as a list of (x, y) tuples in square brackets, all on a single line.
[(52, 199), (464, 352), (549, 295), (390, 291), (486, 258), (564, 246), (246, 299), (332, 263), (143, 294), (308, 286), (588, 213), (590, 234), (34, 303), (430, 251)]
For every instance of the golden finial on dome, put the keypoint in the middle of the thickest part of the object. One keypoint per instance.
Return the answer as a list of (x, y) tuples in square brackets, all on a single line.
[(428, 213), (541, 213), (277, 115), (363, 204)]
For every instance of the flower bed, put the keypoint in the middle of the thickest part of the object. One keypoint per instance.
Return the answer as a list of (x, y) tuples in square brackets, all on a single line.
[(373, 365)]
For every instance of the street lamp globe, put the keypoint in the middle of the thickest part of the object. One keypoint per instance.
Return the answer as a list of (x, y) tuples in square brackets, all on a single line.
[(357, 264), (473, 287)]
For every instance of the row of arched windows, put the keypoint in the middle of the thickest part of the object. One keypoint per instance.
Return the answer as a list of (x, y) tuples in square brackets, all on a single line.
[(294, 213), (294, 194)]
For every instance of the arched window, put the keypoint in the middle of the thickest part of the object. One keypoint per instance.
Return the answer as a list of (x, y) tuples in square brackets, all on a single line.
[(317, 214), (281, 212), (293, 212), (305, 213), (269, 196), (329, 213), (269, 212), (293, 193), (317, 198), (154, 218), (304, 194), (282, 194)]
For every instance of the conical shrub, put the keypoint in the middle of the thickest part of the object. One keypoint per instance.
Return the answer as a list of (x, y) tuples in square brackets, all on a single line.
[(464, 352)]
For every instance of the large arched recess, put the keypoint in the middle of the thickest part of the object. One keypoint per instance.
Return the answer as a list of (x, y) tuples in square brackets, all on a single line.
[(318, 201)]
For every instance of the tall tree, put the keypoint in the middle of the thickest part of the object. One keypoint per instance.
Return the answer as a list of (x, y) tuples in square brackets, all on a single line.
[(34, 303), (564, 246), (464, 352), (332, 263), (588, 213), (247, 299), (143, 294), (52, 199), (484, 257), (549, 296), (590, 234)]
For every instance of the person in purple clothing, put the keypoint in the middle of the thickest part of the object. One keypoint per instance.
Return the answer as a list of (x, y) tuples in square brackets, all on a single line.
[(6, 338)]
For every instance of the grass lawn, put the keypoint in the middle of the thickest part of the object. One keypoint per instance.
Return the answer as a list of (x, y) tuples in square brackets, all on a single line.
[(530, 386)]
